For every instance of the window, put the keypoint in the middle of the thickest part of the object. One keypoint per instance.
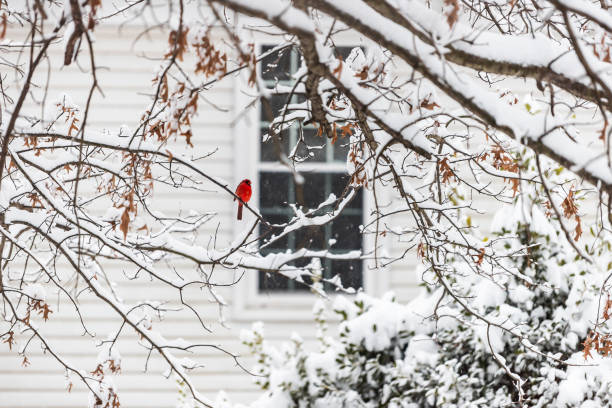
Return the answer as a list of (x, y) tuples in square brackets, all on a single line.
[(322, 164)]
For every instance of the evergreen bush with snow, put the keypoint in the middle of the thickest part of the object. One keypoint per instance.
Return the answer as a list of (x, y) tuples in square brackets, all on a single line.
[(433, 353)]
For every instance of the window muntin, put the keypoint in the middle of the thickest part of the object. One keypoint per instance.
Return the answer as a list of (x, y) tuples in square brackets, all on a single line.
[(277, 188)]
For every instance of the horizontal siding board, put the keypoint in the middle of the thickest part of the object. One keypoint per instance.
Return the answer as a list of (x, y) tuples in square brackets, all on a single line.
[(143, 382), (122, 115), (172, 328), (126, 83), (62, 399)]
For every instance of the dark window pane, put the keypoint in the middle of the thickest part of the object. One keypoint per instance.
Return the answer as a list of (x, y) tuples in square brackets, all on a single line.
[(268, 148), (349, 271), (345, 230), (274, 189), (277, 282), (276, 104), (272, 281), (341, 148), (276, 65), (275, 219), (313, 146), (311, 238), (302, 263), (339, 183), (314, 189)]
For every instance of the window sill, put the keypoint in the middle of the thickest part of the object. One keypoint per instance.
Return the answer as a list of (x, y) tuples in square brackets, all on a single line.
[(279, 307)]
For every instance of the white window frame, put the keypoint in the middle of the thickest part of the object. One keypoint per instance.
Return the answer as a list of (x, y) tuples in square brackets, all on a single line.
[(248, 300)]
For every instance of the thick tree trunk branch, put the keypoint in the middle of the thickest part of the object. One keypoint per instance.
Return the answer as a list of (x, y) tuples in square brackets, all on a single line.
[(538, 142), (478, 62)]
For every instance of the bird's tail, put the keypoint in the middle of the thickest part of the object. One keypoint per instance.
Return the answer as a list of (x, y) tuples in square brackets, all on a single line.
[(239, 211)]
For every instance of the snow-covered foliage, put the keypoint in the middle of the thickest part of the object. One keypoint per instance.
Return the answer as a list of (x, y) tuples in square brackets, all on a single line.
[(431, 352)]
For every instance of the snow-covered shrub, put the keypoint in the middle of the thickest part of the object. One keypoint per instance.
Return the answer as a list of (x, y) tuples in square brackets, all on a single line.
[(515, 330)]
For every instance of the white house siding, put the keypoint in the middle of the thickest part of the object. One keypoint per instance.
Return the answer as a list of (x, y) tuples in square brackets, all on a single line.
[(125, 79)]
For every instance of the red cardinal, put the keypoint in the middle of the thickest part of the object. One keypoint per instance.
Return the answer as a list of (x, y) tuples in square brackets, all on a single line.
[(244, 192)]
